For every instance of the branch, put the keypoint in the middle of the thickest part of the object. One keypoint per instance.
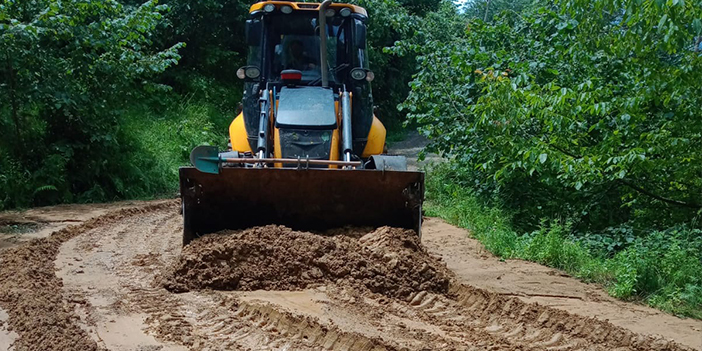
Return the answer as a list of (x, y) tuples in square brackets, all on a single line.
[(453, 103), (557, 148), (487, 7), (658, 197), (638, 188)]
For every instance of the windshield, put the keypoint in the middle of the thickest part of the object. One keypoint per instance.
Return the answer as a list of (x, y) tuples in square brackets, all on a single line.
[(296, 45)]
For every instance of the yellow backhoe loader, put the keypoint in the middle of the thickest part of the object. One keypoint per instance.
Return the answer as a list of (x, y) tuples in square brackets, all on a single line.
[(307, 150)]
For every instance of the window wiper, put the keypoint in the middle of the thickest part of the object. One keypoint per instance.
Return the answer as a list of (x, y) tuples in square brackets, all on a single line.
[(334, 70)]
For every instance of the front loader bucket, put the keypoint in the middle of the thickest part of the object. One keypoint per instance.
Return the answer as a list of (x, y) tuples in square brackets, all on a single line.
[(302, 199)]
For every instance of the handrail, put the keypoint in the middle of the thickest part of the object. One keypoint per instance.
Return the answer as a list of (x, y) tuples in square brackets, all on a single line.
[(323, 41)]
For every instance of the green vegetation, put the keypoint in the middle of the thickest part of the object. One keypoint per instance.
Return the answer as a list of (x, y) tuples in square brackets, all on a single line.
[(662, 268), (69, 69), (573, 127), (102, 100), (157, 158), (581, 121), (566, 113)]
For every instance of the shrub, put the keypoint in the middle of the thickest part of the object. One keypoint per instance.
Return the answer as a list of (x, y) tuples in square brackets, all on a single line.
[(663, 268), (564, 114)]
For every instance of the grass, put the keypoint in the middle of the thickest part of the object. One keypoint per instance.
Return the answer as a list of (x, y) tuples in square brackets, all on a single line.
[(163, 142), (662, 269), (18, 228)]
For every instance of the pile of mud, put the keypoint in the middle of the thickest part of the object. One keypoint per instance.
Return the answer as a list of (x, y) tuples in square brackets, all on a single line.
[(389, 261)]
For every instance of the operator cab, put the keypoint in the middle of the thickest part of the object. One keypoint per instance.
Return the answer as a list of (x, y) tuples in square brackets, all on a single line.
[(286, 49), (285, 36)]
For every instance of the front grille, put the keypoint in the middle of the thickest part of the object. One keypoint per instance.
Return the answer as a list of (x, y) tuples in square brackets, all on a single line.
[(315, 144), (307, 6)]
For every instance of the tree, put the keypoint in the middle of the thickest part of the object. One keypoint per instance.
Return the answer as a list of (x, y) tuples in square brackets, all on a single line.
[(69, 68), (588, 111)]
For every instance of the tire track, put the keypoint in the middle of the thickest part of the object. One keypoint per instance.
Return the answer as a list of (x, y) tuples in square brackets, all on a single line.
[(128, 257), (39, 310)]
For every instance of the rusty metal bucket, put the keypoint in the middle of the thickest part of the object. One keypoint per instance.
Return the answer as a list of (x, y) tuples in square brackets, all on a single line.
[(303, 199)]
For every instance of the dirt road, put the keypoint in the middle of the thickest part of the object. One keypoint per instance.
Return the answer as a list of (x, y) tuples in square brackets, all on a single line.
[(114, 277), (413, 144), (17, 227), (120, 282)]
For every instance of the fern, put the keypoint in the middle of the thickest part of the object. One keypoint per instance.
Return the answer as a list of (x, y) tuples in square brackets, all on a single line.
[(44, 188)]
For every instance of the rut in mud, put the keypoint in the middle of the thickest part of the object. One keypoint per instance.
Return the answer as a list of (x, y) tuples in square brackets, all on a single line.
[(38, 309), (376, 291)]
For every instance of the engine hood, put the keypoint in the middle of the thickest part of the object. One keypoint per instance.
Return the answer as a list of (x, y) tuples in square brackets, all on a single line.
[(306, 108)]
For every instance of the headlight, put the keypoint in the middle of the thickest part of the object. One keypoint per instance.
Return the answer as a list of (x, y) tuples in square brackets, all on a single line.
[(269, 8), (358, 73), (370, 76), (345, 12), (252, 72), (329, 12), (286, 9)]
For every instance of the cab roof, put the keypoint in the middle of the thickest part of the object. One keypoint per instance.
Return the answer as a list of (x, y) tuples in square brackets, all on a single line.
[(307, 6)]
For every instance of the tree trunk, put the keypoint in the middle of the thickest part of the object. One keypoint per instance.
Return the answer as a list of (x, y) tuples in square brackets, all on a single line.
[(11, 78), (487, 8)]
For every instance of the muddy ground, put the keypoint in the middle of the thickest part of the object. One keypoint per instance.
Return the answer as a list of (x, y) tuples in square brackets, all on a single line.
[(114, 277), (17, 227), (122, 282)]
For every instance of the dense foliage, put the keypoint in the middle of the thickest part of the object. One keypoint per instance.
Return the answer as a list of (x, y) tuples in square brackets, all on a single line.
[(102, 100), (68, 68), (589, 113), (578, 112)]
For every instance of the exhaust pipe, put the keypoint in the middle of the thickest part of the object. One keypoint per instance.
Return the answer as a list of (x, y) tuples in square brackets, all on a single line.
[(323, 41)]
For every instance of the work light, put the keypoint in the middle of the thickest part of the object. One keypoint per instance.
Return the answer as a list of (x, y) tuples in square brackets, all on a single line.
[(358, 74), (252, 72)]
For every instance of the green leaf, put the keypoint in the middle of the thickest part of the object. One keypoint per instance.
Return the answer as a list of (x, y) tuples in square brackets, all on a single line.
[(697, 26), (661, 22), (543, 157)]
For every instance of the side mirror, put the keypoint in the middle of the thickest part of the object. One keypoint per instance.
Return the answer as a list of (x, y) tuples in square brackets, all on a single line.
[(254, 28), (360, 34)]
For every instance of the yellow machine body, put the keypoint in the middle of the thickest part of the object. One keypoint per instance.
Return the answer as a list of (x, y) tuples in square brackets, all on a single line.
[(306, 151)]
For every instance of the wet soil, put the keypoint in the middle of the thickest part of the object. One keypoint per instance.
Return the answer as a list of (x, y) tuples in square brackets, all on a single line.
[(38, 309), (99, 285), (17, 227), (389, 261)]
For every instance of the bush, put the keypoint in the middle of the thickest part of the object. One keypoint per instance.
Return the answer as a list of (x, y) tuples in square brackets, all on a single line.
[(565, 115), (69, 69), (662, 268), (162, 143)]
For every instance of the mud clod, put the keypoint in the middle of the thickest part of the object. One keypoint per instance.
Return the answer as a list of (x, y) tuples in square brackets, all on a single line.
[(389, 261)]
